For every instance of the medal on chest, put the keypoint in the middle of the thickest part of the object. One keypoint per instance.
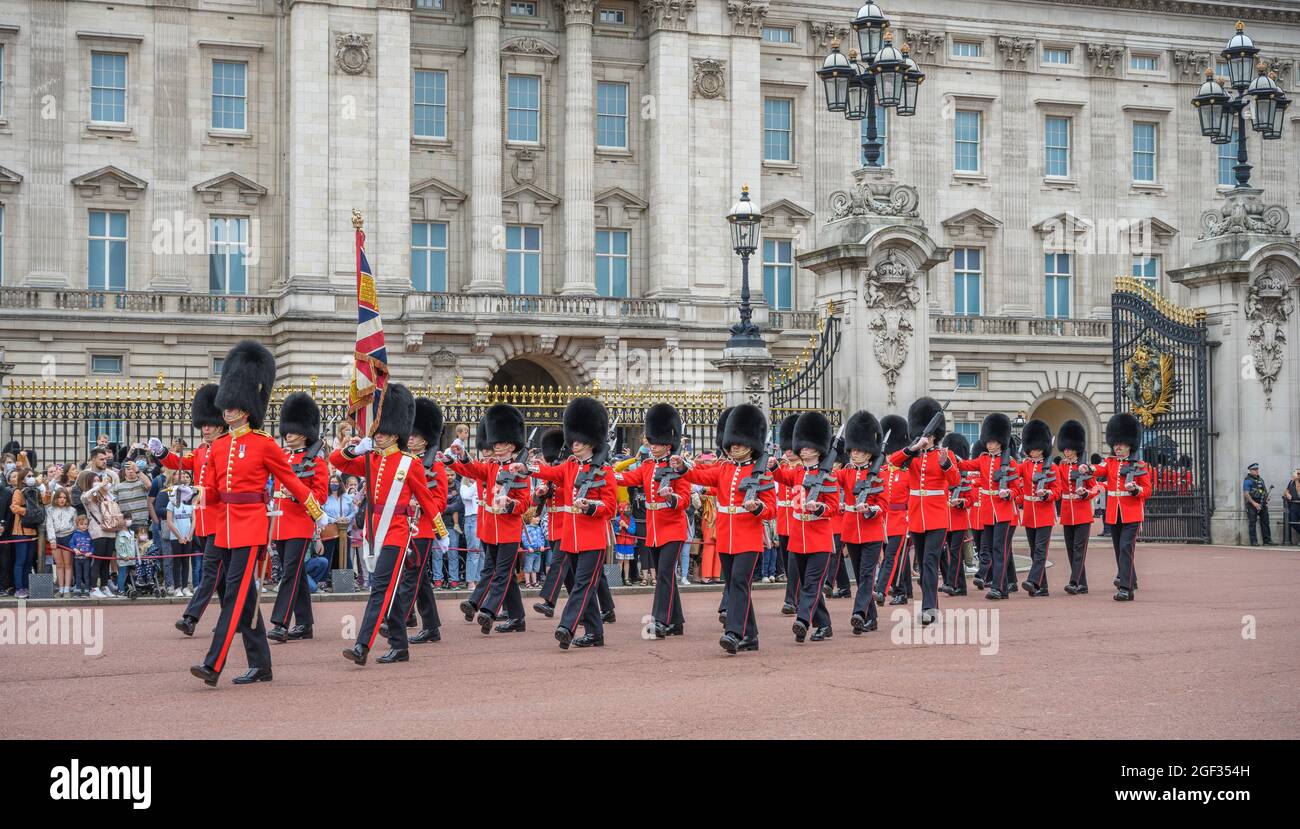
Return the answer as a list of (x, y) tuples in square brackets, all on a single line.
[(242, 449)]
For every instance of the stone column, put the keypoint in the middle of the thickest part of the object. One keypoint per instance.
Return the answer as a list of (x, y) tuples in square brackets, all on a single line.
[(169, 191), (746, 126), (487, 234), (389, 235), (50, 215), (579, 150), (745, 377), (310, 104), (1244, 271), (668, 150)]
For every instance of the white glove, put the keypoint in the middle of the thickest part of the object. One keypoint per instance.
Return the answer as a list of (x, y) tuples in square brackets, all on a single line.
[(156, 447), (323, 521), (363, 446)]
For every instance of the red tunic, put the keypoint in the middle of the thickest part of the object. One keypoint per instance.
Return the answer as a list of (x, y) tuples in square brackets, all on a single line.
[(238, 465), (383, 471), (993, 508), (435, 478), (927, 484), (1122, 507), (195, 463), (737, 529), (861, 527), (811, 532), (783, 504), (587, 530), (293, 521), (495, 527), (895, 500), (960, 517), (1036, 513), (975, 510), (665, 519), (1074, 510)]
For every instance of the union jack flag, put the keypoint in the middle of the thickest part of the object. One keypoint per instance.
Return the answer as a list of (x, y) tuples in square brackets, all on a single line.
[(370, 369)]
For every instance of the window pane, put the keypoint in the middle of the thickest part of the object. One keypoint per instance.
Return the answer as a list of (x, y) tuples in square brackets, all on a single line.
[(967, 132), (1144, 152), (430, 100), (524, 103), (108, 87), (1057, 133), (117, 225), (776, 129), (611, 115), (229, 95)]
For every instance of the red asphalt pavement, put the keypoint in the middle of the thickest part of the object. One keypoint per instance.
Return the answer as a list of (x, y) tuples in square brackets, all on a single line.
[(1173, 664)]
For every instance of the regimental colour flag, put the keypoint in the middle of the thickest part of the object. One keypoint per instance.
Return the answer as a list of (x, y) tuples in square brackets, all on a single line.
[(370, 369)]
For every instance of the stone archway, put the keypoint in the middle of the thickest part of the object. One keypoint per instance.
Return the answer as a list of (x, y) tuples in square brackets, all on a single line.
[(524, 372), (1059, 405)]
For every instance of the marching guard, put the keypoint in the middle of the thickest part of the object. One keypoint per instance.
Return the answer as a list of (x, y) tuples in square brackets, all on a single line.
[(895, 495), (237, 466), (206, 417), (544, 495), (294, 528), (785, 444), (961, 500), (588, 483), (417, 582), (863, 528), (667, 494), (999, 494), (1076, 493), (1038, 483), (1128, 485), (393, 479), (931, 471)]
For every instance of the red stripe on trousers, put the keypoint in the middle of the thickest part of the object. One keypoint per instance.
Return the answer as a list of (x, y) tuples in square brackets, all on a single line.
[(249, 567)]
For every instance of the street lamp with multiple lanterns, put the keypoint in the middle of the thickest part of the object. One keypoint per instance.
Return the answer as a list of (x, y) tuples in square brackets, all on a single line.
[(1223, 118)]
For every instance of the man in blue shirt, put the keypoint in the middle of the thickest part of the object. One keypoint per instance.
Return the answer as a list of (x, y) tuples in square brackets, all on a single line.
[(1255, 494)]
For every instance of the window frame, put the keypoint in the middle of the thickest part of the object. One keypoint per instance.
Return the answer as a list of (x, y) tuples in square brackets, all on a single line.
[(1051, 277), (511, 4), (978, 43), (523, 253), (789, 131), (1068, 148), (107, 239), (99, 355), (126, 88), (1152, 282), (626, 116), (224, 249), (1154, 152), (612, 257), (773, 298), (416, 72), (427, 252), (212, 96), (775, 27), (1068, 51), (966, 272), (979, 142), (541, 82)]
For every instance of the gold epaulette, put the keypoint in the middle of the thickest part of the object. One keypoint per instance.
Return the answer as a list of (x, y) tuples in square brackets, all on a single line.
[(261, 432), (412, 455)]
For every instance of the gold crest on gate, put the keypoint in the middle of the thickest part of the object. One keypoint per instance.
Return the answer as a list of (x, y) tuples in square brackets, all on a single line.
[(1149, 382)]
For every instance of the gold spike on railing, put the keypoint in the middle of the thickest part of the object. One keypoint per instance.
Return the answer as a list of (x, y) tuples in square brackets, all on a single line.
[(1133, 285)]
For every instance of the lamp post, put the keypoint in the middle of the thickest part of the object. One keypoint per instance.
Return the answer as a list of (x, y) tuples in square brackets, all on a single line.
[(876, 73), (745, 218), (1223, 118)]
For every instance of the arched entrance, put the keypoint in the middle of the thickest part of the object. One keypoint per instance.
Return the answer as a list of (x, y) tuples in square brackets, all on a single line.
[(1056, 408), (522, 371)]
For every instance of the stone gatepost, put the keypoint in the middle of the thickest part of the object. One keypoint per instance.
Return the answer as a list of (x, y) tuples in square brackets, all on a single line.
[(745, 377), (872, 260), (1244, 270)]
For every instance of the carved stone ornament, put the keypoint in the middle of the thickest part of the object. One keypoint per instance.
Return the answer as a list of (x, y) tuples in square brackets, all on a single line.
[(522, 169), (747, 17), (824, 31), (667, 15), (1268, 307), (481, 342), (892, 295), (1015, 51), (710, 79), (352, 52), (880, 198), (756, 385), (1244, 212), (443, 358), (924, 44), (1191, 65), (1103, 57)]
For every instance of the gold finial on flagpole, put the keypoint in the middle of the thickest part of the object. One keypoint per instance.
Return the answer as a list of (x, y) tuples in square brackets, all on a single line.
[(357, 221)]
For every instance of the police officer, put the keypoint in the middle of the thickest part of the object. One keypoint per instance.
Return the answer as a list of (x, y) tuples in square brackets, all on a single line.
[(1255, 494)]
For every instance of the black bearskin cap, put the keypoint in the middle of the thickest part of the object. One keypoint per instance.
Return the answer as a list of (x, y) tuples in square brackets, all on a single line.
[(247, 376), (586, 421), (428, 421), (957, 444), (1095, 459), (552, 445), (1185, 461), (1124, 428), (203, 409), (895, 426), (398, 413), (1071, 436), (503, 423), (919, 415), (747, 426), (996, 426), (1036, 435), (812, 430), (663, 426), (721, 428), (300, 415), (862, 432), (785, 432)]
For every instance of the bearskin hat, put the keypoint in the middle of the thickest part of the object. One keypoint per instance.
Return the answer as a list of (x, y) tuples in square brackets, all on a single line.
[(919, 415), (299, 415), (785, 432), (747, 426), (663, 426), (862, 432), (1036, 435), (895, 427), (398, 413), (1124, 428), (721, 428), (957, 444), (552, 445), (503, 423), (203, 408), (585, 421), (812, 431), (428, 421), (1185, 461), (1095, 459), (247, 376), (1071, 436), (996, 426)]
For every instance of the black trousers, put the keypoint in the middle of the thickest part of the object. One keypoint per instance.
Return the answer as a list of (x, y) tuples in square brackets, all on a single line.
[(485, 575), (563, 574), (812, 576), (555, 575), (1076, 546), (294, 598), (888, 576), (503, 599), (241, 613), (381, 603), (215, 565), (1038, 538), (1004, 566), (417, 587), (1124, 538), (841, 567), (929, 546), (983, 539), (725, 560), (791, 571), (740, 568), (102, 548), (667, 607), (864, 557), (581, 606), (951, 564), (1260, 516)]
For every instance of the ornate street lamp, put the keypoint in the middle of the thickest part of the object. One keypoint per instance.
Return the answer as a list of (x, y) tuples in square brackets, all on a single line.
[(876, 73), (1223, 118), (745, 218)]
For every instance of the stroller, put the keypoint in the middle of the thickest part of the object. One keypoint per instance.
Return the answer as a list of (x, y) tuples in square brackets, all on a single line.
[(144, 580)]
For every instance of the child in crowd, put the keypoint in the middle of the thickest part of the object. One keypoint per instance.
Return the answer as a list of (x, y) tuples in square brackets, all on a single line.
[(770, 552), (80, 543), (624, 538), (127, 547), (534, 541)]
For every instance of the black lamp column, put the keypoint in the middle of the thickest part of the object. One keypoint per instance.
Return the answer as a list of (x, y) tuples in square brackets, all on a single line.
[(745, 218)]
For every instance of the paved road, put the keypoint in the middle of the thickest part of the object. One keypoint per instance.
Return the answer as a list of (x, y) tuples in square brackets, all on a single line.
[(1173, 664)]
